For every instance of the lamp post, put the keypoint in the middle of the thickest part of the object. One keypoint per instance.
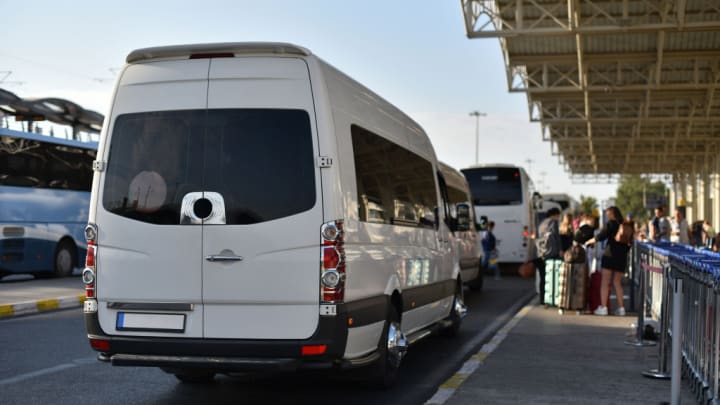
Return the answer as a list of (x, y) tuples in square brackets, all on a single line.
[(477, 115)]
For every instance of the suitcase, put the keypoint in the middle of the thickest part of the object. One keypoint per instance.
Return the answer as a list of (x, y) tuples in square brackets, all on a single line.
[(594, 292), (572, 286), (552, 278)]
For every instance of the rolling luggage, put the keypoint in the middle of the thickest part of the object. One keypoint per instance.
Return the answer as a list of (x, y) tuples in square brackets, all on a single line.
[(552, 278), (573, 286), (594, 292)]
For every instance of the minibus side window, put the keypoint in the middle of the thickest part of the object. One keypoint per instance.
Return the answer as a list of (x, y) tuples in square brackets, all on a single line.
[(394, 185)]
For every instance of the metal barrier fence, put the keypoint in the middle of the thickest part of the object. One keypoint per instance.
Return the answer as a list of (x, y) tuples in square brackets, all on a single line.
[(680, 289)]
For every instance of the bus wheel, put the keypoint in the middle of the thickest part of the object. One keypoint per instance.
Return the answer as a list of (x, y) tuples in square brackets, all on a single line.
[(64, 259)]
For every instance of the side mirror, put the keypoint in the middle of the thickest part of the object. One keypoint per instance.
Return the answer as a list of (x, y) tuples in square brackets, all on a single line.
[(462, 222)]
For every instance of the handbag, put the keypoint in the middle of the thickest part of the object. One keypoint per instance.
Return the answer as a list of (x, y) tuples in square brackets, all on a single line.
[(527, 270)]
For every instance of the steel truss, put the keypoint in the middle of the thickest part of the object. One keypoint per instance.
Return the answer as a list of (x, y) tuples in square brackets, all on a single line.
[(619, 86)]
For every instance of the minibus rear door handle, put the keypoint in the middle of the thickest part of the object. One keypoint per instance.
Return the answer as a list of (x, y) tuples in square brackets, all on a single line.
[(223, 258)]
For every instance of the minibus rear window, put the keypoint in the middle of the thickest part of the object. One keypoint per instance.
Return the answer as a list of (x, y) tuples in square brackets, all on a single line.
[(259, 160)]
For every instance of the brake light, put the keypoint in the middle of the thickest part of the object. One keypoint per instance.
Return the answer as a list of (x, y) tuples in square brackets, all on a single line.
[(525, 232), (212, 55), (88, 274), (100, 345), (332, 272), (313, 350)]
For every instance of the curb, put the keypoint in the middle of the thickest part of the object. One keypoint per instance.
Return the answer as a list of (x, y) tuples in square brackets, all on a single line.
[(33, 307), (447, 389)]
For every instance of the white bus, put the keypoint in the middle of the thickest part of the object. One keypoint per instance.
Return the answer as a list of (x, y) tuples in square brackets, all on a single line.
[(568, 205), (503, 193)]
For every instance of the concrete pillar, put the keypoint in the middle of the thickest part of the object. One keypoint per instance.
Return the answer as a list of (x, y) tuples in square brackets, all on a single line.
[(706, 208), (715, 220), (692, 197), (673, 203)]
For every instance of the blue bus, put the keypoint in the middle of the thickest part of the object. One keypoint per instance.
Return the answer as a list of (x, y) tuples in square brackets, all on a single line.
[(44, 200)]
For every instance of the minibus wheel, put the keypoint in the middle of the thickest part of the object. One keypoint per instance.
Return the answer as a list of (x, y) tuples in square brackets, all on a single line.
[(392, 348), (64, 259), (457, 312)]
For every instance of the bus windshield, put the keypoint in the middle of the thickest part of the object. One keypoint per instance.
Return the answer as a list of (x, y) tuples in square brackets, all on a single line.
[(495, 185)]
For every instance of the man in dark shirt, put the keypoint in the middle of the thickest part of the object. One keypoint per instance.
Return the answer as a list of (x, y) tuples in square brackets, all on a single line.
[(548, 247)]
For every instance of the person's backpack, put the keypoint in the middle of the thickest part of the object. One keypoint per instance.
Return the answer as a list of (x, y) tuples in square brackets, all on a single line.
[(547, 246), (624, 234)]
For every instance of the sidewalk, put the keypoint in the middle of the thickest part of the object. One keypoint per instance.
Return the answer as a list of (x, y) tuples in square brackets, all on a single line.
[(542, 357), (20, 296)]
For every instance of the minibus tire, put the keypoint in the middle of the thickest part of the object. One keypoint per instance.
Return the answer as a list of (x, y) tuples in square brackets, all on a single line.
[(385, 373), (64, 260), (455, 318), (195, 376)]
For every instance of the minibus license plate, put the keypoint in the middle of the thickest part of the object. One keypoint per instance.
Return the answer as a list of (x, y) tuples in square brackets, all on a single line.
[(135, 321)]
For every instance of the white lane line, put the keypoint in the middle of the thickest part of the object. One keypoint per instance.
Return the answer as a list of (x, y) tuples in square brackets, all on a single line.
[(44, 371)]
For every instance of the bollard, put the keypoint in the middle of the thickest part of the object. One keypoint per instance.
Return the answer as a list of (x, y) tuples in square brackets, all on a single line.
[(678, 301), (662, 373)]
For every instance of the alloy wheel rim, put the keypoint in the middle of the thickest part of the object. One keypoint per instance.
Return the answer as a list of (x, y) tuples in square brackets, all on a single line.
[(396, 344)]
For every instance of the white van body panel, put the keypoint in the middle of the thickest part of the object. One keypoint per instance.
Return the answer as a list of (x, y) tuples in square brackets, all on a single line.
[(376, 253), (273, 293), (363, 339), (145, 262)]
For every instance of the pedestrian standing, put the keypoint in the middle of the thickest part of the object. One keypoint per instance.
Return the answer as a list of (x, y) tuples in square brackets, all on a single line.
[(708, 234), (566, 233), (614, 261), (490, 251), (679, 229), (659, 226), (547, 247)]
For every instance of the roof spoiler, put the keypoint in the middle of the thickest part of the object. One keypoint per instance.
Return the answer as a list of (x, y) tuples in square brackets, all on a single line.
[(236, 48)]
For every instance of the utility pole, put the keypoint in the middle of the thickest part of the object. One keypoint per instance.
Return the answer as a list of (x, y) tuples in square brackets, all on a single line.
[(529, 163), (477, 115)]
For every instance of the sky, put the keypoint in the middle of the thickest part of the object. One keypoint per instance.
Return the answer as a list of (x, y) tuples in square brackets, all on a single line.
[(414, 54)]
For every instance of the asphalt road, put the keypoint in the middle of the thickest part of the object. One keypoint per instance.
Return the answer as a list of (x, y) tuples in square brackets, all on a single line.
[(46, 359)]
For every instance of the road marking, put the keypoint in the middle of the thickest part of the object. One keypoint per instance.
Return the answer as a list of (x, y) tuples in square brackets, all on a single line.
[(448, 388), (49, 370)]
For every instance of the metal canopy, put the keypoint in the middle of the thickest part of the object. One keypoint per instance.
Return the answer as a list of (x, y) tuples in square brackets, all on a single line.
[(619, 86), (57, 110)]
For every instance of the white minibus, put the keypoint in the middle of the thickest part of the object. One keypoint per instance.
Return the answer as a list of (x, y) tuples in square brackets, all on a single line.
[(464, 236), (254, 208)]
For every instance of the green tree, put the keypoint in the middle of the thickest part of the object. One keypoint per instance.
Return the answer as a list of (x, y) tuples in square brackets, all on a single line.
[(587, 204), (637, 196)]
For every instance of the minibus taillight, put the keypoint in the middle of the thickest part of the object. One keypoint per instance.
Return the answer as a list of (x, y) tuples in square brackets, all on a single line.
[(332, 271), (100, 344), (88, 274)]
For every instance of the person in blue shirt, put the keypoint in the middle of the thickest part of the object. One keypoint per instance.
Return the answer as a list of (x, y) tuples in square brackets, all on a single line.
[(490, 251)]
